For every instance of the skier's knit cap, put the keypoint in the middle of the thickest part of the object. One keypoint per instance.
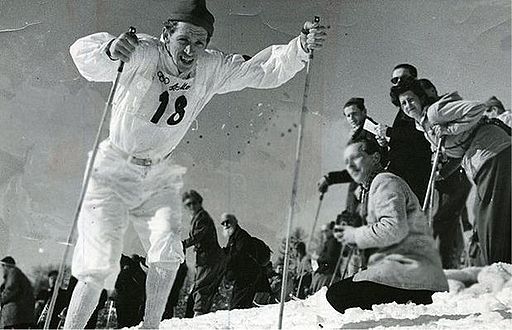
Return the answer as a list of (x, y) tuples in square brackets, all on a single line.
[(192, 11)]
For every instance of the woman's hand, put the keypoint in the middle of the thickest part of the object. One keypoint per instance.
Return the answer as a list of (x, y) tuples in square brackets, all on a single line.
[(438, 130)]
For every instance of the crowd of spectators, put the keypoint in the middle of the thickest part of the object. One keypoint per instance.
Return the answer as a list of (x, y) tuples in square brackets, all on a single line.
[(366, 250)]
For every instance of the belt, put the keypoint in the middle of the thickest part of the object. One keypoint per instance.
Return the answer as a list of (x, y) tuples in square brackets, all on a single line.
[(136, 160), (142, 161)]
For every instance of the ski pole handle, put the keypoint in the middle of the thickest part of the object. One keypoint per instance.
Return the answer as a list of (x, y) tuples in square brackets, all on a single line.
[(133, 30), (315, 20)]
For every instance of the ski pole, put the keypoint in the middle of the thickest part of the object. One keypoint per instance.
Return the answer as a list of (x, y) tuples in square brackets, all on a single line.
[(87, 176), (295, 182), (310, 239), (350, 254), (338, 263), (430, 187)]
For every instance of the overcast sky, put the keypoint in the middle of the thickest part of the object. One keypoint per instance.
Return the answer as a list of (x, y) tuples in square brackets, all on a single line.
[(240, 153)]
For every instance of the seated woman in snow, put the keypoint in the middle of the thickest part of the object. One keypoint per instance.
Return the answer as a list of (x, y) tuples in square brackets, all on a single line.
[(483, 146), (404, 265)]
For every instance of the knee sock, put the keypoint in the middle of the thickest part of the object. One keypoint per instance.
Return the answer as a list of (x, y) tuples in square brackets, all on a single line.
[(158, 286), (83, 302)]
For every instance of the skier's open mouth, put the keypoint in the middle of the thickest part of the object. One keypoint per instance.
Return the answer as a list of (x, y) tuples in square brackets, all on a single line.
[(187, 60)]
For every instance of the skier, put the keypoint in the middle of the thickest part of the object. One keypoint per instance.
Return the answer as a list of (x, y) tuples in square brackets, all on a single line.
[(165, 84)]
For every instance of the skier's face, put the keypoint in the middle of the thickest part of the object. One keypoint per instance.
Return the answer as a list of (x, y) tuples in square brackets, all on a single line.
[(185, 44), (360, 165)]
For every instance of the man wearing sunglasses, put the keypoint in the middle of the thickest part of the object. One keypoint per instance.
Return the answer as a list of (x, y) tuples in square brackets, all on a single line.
[(209, 256), (410, 163)]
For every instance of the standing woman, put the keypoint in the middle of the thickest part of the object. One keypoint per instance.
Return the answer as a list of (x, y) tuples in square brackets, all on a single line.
[(485, 152), (403, 264)]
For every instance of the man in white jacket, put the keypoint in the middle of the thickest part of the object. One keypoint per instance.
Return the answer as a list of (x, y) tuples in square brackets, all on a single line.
[(165, 84)]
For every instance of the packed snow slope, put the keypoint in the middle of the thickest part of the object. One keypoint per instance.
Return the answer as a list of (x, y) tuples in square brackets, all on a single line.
[(479, 298)]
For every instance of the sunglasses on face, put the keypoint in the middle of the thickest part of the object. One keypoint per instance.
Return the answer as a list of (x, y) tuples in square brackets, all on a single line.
[(394, 80), (189, 204)]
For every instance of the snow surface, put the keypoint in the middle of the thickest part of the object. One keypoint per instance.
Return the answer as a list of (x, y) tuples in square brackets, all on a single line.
[(484, 305)]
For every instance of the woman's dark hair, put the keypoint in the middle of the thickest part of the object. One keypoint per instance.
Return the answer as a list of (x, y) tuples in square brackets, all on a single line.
[(414, 86), (193, 195)]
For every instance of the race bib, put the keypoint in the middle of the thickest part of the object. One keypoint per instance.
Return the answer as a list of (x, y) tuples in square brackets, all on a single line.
[(166, 102)]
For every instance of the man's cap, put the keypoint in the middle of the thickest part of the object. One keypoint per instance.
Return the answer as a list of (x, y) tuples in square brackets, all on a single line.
[(357, 101), (8, 261), (228, 218), (192, 11)]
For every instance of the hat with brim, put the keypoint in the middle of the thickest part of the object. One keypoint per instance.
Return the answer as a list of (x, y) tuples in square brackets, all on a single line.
[(8, 261)]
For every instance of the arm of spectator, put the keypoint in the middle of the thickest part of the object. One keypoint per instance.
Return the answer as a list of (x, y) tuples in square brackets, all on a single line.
[(390, 225), (456, 116), (338, 177)]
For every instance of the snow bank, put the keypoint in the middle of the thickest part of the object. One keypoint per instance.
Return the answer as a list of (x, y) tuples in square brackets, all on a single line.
[(484, 305)]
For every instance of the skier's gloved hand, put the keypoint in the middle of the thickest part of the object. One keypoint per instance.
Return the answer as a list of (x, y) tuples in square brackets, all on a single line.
[(312, 36), (123, 46)]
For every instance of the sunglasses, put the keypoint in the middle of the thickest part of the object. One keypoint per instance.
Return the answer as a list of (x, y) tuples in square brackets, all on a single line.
[(394, 80), (189, 204), (226, 224)]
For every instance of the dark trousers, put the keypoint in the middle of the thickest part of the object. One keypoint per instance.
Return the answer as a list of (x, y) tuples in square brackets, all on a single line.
[(347, 294), (206, 285), (129, 314), (492, 208), (242, 296), (453, 192)]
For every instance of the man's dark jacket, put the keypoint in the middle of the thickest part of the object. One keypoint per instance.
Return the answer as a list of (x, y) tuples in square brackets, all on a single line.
[(203, 236), (242, 267)]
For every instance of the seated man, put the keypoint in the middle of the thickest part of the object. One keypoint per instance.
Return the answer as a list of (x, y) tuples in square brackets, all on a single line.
[(404, 265)]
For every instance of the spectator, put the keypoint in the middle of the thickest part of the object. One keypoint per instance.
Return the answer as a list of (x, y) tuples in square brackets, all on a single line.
[(495, 109), (355, 113), (404, 264), (209, 256), (304, 270), (130, 292), (411, 164), (326, 260), (43, 298), (16, 297), (453, 188), (242, 268), (485, 152)]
